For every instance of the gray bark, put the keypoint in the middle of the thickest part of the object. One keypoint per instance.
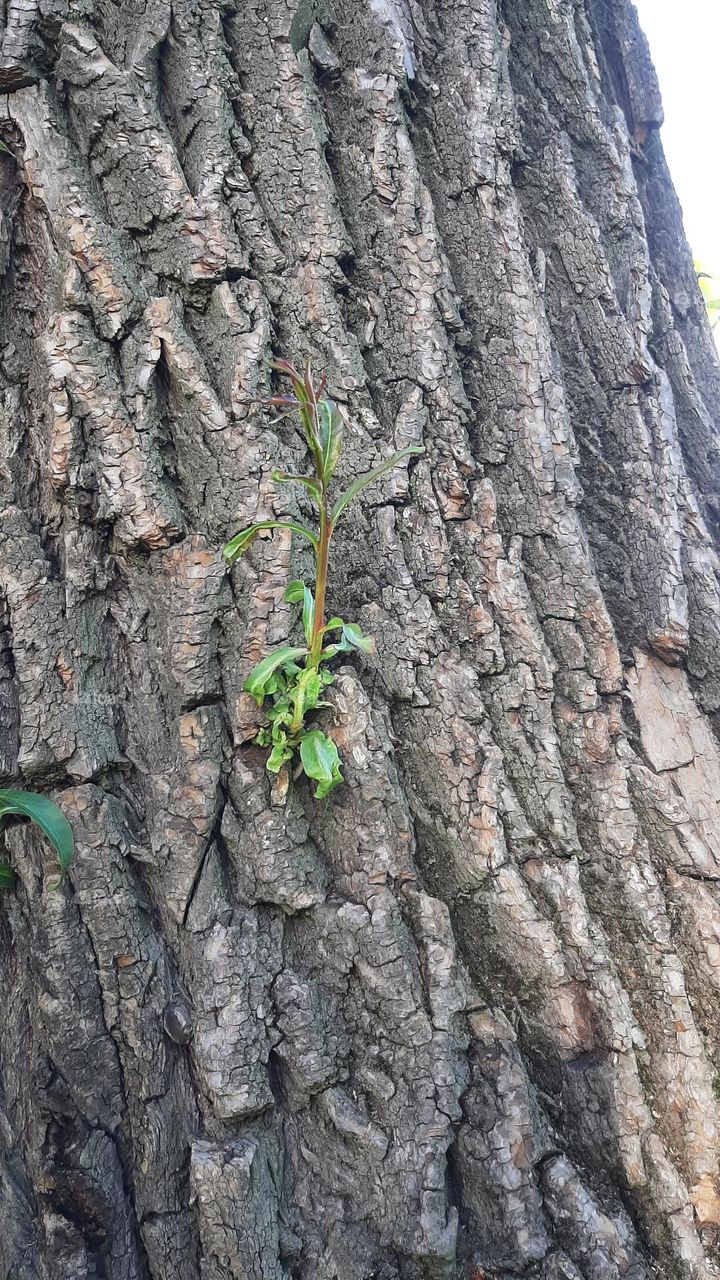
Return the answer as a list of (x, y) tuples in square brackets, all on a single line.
[(460, 1020)]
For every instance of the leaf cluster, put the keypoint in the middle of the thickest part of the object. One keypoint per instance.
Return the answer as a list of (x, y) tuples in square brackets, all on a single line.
[(289, 682)]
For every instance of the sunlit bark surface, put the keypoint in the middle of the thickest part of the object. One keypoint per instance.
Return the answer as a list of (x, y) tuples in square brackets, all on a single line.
[(461, 1019)]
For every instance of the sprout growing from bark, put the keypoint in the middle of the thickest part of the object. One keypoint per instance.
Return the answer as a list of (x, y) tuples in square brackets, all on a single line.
[(288, 683)]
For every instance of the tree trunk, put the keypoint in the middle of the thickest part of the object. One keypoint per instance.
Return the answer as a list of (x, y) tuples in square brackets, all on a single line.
[(460, 1019)]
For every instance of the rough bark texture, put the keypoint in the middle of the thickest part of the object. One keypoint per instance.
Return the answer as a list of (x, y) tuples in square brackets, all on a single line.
[(461, 1019)]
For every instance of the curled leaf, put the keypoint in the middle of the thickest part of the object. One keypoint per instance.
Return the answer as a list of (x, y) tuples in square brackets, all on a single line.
[(331, 433), (330, 652), (321, 762), (294, 592), (261, 675), (47, 816), (353, 638), (313, 683), (280, 753), (308, 614)]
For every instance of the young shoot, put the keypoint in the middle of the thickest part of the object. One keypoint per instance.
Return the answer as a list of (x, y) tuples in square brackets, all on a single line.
[(288, 683)]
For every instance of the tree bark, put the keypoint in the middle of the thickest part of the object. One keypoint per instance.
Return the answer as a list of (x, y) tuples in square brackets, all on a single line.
[(461, 1019)]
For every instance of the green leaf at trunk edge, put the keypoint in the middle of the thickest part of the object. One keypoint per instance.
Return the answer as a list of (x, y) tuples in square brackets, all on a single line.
[(46, 815)]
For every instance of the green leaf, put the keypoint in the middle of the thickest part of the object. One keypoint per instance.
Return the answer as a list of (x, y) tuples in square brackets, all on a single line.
[(275, 685), (280, 753), (238, 545), (308, 482), (7, 876), (280, 708), (321, 762), (353, 638), (294, 592), (44, 814), (368, 477), (298, 694), (331, 433), (257, 682), (313, 688), (308, 614)]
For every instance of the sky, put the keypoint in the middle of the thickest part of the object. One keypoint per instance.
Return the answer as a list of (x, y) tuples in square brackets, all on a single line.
[(685, 42)]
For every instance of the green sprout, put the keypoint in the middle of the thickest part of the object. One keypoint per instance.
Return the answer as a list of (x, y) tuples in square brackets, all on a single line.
[(46, 815), (288, 683), (710, 289)]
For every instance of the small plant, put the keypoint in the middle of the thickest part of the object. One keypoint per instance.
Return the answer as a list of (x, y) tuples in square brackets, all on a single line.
[(47, 816), (710, 289), (289, 682)]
